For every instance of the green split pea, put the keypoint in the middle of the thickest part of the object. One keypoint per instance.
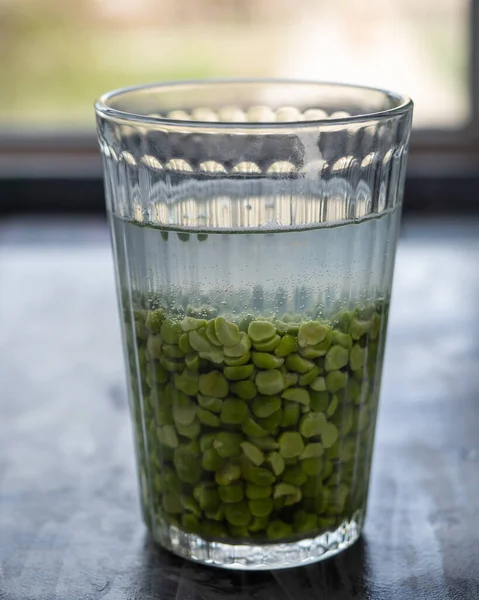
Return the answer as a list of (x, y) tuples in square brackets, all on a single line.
[(256, 428)]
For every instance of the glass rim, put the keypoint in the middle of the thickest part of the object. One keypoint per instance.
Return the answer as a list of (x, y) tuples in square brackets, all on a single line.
[(103, 108)]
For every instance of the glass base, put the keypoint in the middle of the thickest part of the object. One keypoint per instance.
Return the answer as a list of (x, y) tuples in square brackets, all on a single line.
[(260, 557)]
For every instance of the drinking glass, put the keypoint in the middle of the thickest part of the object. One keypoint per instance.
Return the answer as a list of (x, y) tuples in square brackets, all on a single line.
[(254, 228)]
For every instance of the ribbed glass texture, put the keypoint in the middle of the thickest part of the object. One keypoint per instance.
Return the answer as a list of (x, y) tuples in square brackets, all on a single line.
[(254, 227)]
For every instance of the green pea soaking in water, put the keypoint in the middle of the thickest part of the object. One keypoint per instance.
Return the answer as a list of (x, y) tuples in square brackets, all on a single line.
[(255, 362), (254, 226)]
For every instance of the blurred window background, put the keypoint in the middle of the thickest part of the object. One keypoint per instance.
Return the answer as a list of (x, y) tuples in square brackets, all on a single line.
[(59, 55)]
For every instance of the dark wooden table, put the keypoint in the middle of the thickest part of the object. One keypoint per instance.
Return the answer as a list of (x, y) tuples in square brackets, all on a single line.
[(69, 517)]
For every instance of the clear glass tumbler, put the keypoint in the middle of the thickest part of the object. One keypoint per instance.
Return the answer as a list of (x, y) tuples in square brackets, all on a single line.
[(254, 228)]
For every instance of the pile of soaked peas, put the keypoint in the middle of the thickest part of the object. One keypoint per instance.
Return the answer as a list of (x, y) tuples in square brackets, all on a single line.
[(254, 428)]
